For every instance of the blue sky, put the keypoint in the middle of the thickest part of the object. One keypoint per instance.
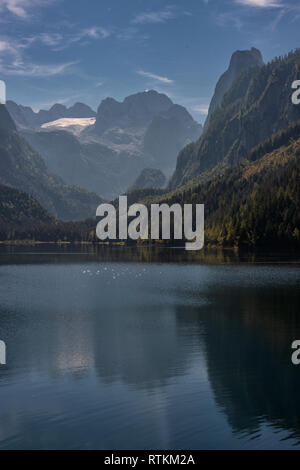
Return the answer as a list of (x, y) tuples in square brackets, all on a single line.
[(85, 50)]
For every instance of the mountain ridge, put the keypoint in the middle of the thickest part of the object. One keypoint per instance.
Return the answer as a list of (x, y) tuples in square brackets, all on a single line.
[(26, 118), (256, 106)]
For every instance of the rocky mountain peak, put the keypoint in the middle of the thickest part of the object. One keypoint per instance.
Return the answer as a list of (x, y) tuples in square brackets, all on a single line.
[(240, 61), (135, 111)]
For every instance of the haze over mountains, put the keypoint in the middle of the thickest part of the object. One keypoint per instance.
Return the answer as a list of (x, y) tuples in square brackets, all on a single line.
[(105, 151), (23, 168)]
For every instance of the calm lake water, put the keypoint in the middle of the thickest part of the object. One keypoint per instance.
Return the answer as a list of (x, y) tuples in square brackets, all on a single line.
[(148, 348)]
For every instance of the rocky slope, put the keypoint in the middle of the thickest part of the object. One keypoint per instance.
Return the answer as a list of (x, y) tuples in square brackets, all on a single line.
[(257, 105)]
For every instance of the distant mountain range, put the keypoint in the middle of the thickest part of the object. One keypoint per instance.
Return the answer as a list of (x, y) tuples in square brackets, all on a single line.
[(26, 118), (105, 151), (146, 124)]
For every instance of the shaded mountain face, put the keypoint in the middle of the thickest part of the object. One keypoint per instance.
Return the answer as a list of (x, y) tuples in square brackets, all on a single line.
[(148, 178), (146, 124), (22, 168), (135, 111), (257, 106), (92, 166), (240, 61), (167, 134), (25, 117)]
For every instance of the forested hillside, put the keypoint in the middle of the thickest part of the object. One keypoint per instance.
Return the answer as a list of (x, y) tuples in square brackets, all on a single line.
[(255, 203)]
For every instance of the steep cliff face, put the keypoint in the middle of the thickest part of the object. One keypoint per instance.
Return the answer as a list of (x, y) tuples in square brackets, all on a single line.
[(240, 61), (257, 105)]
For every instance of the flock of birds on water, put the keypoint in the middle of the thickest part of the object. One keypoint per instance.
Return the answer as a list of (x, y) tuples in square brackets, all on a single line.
[(113, 274)]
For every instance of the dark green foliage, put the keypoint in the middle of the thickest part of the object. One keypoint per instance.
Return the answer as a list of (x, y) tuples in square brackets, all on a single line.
[(254, 203), (280, 139)]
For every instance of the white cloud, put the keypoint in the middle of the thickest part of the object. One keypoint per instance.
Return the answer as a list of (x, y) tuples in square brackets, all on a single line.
[(261, 3), (159, 16), (49, 39), (21, 8), (94, 32), (229, 19), (12, 61), (155, 77), (200, 109)]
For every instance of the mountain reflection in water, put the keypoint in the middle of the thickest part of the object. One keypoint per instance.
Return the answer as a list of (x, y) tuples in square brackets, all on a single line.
[(148, 348)]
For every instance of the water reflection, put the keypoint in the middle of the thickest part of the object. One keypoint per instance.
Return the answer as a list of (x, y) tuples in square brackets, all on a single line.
[(113, 354), (253, 330)]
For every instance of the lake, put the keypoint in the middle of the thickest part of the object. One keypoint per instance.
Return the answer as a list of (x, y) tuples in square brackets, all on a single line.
[(148, 348)]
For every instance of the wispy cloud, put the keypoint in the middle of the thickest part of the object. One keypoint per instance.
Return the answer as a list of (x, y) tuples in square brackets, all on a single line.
[(28, 69), (229, 19), (155, 77), (12, 61), (238, 17), (159, 16), (94, 32), (58, 41), (22, 8), (261, 3), (200, 109)]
